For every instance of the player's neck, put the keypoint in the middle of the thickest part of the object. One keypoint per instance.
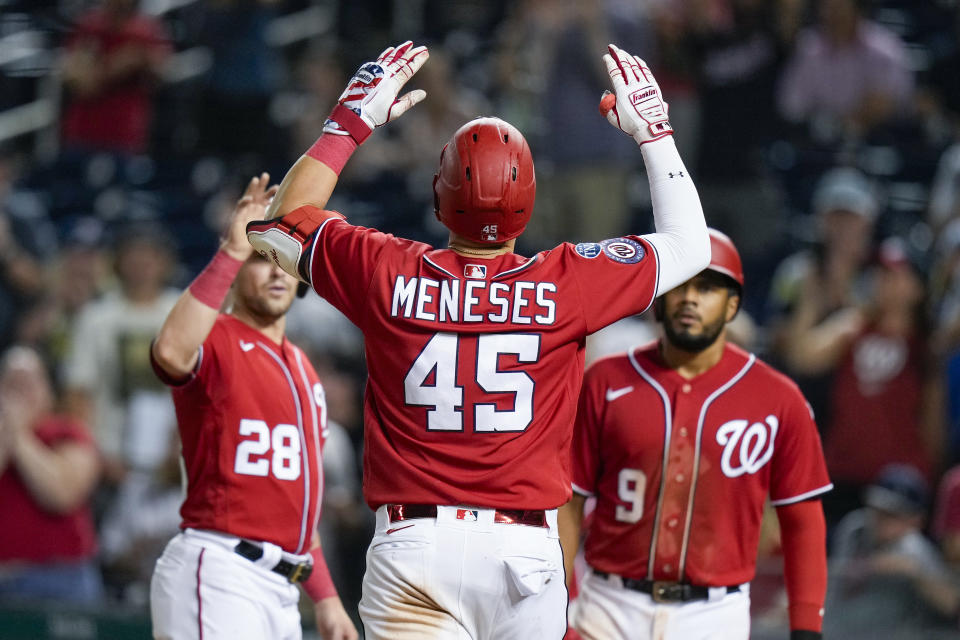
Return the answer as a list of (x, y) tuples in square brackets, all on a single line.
[(272, 328), (469, 249), (691, 364)]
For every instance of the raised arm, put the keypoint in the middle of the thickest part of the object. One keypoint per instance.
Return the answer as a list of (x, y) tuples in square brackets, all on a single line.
[(369, 101), (637, 108), (176, 347)]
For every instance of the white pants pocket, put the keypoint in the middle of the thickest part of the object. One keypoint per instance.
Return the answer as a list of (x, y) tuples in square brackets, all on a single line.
[(530, 574)]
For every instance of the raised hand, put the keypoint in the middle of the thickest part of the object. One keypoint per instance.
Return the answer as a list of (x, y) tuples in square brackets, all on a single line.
[(636, 106), (372, 92), (251, 206)]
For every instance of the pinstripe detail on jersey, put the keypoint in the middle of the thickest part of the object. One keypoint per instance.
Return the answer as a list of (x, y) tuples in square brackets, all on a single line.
[(303, 443), (316, 241), (580, 490), (656, 284), (528, 263), (696, 455), (668, 430), (438, 267), (316, 441), (199, 599), (802, 496)]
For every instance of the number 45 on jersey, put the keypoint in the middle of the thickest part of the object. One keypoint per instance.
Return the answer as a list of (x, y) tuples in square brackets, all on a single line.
[(445, 397)]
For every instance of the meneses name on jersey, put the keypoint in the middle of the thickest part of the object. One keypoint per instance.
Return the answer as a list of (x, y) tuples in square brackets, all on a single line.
[(517, 302)]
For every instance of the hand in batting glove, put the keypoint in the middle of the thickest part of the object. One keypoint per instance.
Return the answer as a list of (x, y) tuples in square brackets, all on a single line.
[(637, 107), (370, 99)]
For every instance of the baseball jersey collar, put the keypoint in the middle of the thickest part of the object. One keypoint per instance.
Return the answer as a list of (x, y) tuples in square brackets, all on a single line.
[(732, 361), (255, 335), (454, 265)]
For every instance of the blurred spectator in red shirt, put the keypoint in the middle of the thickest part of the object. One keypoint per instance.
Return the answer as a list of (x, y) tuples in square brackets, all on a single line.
[(48, 469), (816, 292), (887, 403), (113, 59)]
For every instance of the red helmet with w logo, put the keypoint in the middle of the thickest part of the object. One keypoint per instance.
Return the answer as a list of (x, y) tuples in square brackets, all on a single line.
[(485, 187)]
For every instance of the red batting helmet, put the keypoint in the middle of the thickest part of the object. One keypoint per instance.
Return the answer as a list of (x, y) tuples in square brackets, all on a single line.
[(485, 187), (724, 258)]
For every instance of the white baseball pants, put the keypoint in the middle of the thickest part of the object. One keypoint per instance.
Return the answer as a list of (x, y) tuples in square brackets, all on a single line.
[(605, 610), (446, 578), (202, 590)]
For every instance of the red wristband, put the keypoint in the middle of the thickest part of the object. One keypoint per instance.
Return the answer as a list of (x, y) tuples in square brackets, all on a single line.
[(333, 150), (319, 586), (212, 284)]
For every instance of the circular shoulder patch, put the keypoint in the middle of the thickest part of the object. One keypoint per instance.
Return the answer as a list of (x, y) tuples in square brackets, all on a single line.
[(623, 250), (588, 249)]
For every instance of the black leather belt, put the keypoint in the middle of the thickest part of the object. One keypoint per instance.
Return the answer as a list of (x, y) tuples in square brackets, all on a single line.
[(294, 572), (528, 517), (666, 591)]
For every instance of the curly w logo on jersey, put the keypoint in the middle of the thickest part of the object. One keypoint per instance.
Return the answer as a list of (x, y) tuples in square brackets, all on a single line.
[(746, 447)]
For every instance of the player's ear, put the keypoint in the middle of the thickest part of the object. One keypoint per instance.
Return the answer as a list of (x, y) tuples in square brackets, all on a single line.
[(733, 304)]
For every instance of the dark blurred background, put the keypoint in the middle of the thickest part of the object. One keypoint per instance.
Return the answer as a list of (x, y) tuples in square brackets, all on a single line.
[(823, 135)]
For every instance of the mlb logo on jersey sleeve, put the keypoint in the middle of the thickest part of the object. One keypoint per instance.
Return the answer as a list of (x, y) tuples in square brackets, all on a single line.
[(623, 250), (475, 271)]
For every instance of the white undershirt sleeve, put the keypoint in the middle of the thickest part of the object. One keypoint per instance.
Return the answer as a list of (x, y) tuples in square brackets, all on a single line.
[(681, 240)]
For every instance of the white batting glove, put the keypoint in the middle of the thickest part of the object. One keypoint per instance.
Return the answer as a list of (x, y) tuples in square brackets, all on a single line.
[(371, 95), (637, 106)]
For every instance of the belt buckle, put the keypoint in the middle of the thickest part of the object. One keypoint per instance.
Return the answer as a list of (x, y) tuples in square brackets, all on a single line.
[(298, 570), (664, 591)]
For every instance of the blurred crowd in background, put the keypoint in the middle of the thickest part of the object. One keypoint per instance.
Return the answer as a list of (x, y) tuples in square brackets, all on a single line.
[(823, 136)]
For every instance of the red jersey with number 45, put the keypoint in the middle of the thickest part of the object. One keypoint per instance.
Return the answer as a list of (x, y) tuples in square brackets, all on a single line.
[(681, 468), (474, 364), (252, 420)]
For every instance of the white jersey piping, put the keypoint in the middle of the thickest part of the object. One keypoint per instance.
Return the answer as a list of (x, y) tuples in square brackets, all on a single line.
[(303, 442), (696, 456)]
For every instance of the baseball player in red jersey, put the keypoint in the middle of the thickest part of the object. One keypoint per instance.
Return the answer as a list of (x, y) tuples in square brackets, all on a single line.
[(252, 419), (681, 442), (475, 354)]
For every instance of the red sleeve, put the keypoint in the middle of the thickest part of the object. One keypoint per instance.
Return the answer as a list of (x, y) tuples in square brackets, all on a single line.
[(343, 260), (798, 470), (616, 278), (206, 361), (804, 540), (585, 451)]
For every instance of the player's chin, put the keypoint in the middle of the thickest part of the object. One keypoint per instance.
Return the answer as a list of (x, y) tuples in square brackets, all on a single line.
[(680, 328), (276, 304)]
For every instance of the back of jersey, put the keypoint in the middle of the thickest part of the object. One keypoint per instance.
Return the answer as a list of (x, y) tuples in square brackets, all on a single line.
[(474, 364)]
